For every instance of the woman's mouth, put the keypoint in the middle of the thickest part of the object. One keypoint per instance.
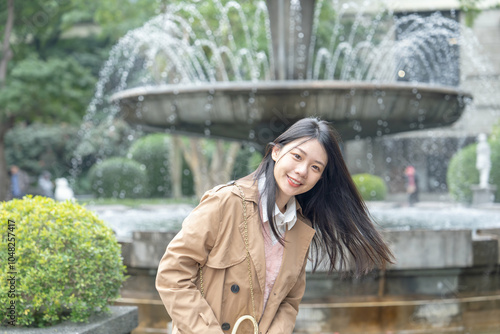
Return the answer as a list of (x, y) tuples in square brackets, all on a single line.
[(293, 182)]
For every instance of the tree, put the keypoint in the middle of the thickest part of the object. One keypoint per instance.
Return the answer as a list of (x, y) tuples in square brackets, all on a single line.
[(6, 120), (46, 73), (209, 168), (43, 91)]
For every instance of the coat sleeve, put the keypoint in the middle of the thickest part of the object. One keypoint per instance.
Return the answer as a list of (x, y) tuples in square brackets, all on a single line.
[(284, 320), (178, 269)]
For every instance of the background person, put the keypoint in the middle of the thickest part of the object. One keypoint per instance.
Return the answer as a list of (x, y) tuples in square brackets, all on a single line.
[(19, 182), (45, 184), (411, 179)]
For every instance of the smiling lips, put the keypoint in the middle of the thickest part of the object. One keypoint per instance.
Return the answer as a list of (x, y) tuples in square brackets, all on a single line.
[(293, 182)]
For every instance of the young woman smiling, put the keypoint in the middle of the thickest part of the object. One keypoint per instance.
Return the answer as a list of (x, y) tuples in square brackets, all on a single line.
[(243, 250)]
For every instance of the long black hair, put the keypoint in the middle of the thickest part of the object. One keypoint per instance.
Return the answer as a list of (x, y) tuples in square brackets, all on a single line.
[(344, 228)]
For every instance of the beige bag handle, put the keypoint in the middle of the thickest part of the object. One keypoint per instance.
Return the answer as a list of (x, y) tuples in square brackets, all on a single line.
[(245, 239), (246, 317)]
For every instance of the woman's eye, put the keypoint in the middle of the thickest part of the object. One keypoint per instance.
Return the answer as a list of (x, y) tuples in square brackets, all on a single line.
[(296, 156), (316, 168)]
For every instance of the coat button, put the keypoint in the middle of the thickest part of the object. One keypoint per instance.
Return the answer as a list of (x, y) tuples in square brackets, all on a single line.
[(235, 288), (225, 326)]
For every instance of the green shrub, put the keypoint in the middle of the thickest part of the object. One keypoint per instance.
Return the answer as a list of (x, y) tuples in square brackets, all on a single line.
[(67, 265), (371, 187), (118, 178), (495, 166), (153, 151), (462, 172)]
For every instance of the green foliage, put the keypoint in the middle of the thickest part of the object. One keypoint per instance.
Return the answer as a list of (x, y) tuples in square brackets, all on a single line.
[(118, 178), (109, 138), (471, 10), (43, 90), (462, 172), (371, 187), (116, 17), (68, 262), (39, 147), (247, 161), (153, 152)]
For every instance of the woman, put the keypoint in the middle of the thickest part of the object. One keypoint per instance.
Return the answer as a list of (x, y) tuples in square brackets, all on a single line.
[(302, 192)]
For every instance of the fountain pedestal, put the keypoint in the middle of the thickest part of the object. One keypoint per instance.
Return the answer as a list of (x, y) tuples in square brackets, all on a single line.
[(481, 195)]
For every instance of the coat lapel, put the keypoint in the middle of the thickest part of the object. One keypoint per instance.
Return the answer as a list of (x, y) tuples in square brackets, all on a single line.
[(297, 242), (256, 239)]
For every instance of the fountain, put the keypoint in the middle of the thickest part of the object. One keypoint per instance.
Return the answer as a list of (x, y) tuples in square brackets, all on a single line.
[(247, 77), (202, 82)]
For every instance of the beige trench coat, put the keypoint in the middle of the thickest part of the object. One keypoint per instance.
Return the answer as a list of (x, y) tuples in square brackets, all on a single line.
[(212, 235)]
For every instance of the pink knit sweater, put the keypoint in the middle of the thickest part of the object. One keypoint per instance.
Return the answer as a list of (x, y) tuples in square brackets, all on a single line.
[(274, 257)]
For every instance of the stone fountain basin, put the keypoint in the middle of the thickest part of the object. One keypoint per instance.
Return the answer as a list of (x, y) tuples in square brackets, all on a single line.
[(259, 111), (446, 272), (420, 237)]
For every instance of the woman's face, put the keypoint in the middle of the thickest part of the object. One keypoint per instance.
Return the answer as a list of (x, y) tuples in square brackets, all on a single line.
[(298, 167)]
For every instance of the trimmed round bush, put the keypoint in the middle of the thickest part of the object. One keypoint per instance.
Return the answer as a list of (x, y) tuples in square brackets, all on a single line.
[(67, 263), (118, 178), (371, 187), (462, 172), (153, 151)]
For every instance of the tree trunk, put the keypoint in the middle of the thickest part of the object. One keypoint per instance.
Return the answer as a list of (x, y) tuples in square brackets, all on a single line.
[(7, 52), (223, 162), (197, 163), (6, 123), (4, 176), (220, 169)]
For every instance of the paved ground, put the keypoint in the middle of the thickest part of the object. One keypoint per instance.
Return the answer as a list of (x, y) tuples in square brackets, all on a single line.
[(429, 201), (426, 200)]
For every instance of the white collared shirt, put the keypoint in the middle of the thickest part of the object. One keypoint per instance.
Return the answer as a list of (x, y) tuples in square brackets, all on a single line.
[(284, 221)]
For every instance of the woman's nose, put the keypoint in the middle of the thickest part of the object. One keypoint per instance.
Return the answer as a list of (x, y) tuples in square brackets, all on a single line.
[(301, 169)]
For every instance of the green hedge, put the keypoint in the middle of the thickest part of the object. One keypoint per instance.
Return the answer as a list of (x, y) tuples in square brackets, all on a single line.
[(371, 187), (118, 178), (153, 151), (67, 262), (462, 172)]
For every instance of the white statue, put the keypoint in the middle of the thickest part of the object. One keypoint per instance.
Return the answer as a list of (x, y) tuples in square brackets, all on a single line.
[(63, 191), (483, 160)]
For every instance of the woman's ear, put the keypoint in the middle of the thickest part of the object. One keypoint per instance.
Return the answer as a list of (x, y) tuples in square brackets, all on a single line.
[(275, 152)]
